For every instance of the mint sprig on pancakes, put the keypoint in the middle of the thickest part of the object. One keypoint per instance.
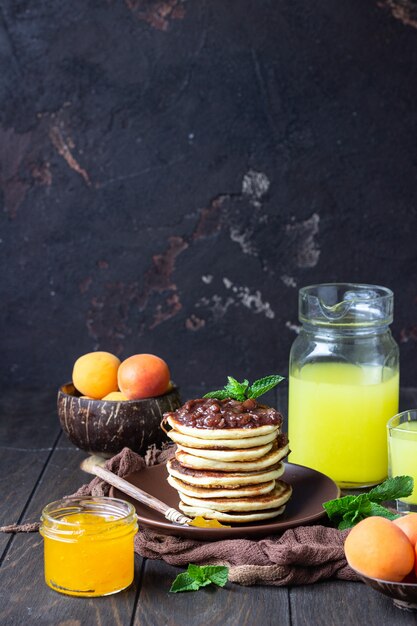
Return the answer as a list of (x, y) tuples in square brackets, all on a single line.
[(244, 391)]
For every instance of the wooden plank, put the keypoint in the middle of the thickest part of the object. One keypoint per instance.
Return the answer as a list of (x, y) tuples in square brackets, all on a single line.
[(232, 606), (344, 604), (24, 597), (29, 429)]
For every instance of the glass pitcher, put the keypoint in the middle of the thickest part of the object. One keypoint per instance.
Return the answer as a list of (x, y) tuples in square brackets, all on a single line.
[(343, 382)]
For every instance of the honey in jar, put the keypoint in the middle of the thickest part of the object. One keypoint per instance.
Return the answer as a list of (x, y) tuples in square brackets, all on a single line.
[(88, 545)]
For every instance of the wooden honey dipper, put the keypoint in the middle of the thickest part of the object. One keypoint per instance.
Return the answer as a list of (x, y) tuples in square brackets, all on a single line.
[(94, 465)]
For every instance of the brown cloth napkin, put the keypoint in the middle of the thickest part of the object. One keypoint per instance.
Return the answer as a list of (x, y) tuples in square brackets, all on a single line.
[(300, 556)]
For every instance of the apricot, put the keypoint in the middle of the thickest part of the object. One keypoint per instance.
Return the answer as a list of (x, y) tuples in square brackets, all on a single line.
[(143, 376), (408, 524), (415, 562), (378, 548), (115, 396), (95, 374)]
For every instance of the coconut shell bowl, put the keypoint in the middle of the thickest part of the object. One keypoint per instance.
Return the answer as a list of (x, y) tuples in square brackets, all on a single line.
[(403, 594), (106, 427)]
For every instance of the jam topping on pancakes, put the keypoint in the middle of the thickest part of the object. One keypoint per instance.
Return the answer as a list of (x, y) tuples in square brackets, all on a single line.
[(210, 413)]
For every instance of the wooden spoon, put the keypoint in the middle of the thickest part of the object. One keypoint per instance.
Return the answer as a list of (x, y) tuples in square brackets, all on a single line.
[(94, 465)]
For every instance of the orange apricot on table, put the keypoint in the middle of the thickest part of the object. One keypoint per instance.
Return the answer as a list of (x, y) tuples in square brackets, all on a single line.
[(378, 548), (415, 561), (143, 376), (95, 374), (408, 524), (115, 396)]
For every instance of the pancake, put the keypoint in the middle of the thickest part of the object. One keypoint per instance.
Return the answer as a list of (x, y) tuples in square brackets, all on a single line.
[(249, 454), (195, 462), (220, 433), (273, 500), (228, 459), (231, 480), (213, 444), (201, 492), (237, 518)]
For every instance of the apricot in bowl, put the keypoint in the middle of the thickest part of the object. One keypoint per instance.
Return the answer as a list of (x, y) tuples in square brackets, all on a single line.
[(384, 555), (95, 374), (143, 376)]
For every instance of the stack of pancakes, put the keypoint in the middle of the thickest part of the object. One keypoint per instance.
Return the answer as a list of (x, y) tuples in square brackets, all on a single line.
[(230, 473)]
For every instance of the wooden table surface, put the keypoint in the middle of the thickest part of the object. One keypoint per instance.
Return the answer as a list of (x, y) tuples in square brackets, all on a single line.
[(38, 465)]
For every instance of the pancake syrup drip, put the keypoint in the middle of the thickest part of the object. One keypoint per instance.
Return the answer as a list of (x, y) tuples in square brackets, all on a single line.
[(210, 413)]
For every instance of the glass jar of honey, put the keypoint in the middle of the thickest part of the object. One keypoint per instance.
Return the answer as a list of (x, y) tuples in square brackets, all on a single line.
[(344, 382), (88, 545)]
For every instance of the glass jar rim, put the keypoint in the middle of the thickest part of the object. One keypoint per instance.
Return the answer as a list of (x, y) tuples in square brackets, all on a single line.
[(346, 305), (386, 292), (123, 512), (396, 419)]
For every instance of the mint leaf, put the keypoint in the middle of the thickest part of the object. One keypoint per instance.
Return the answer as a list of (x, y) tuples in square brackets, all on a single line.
[(243, 391), (217, 574), (235, 389), (336, 508), (219, 395), (360, 503), (350, 510), (184, 582), (392, 488), (261, 386), (198, 576), (345, 524), (377, 509), (367, 509), (358, 510)]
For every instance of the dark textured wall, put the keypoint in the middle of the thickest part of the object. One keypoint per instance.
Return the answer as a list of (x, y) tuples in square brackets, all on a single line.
[(171, 172)]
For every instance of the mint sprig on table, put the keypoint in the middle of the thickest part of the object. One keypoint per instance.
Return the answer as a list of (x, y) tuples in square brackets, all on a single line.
[(245, 391), (349, 510), (198, 576)]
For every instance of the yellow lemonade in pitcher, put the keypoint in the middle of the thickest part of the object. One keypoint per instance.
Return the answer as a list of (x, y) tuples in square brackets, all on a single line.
[(337, 420)]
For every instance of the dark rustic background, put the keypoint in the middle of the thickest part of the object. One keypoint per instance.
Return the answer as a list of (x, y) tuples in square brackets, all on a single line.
[(171, 172)]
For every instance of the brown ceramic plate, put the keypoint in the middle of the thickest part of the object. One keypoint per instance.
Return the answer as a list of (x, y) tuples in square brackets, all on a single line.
[(310, 490)]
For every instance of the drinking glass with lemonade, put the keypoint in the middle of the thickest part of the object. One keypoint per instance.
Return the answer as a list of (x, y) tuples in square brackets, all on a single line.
[(343, 382), (402, 454)]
